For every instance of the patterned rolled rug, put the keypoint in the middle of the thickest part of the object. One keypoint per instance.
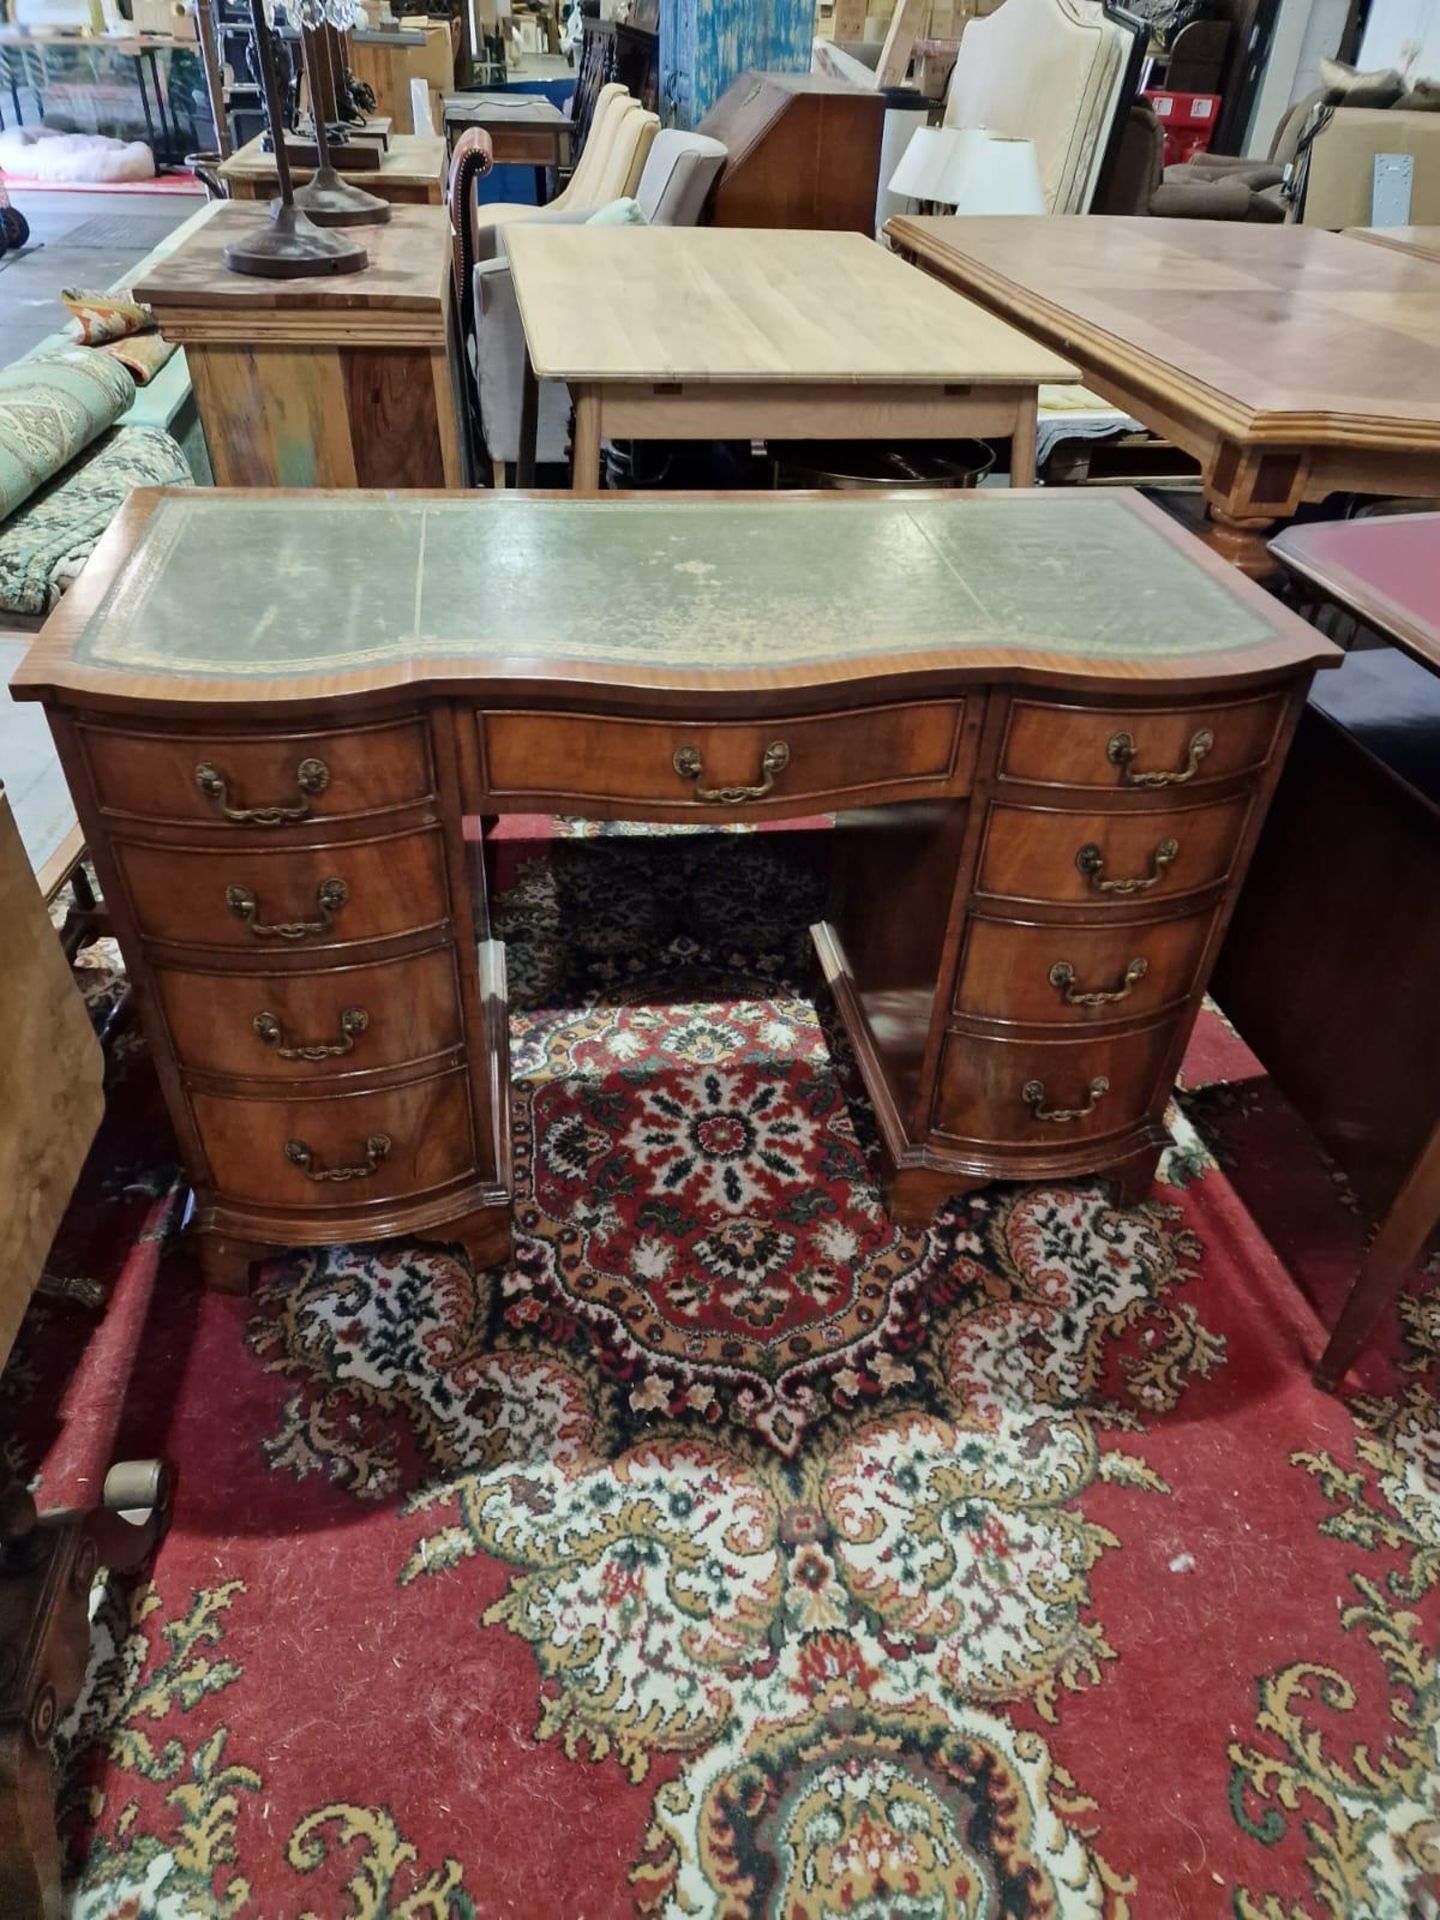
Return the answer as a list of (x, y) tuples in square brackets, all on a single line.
[(735, 1553)]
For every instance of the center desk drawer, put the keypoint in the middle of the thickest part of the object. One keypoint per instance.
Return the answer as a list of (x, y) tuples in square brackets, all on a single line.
[(341, 1152), (296, 1025), (276, 779), (264, 902), (818, 760), (1125, 859)]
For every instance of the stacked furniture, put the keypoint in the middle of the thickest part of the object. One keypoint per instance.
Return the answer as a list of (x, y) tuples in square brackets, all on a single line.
[(1059, 72)]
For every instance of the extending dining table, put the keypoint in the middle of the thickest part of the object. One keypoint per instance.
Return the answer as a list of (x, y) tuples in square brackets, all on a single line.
[(1291, 362), (1422, 243), (715, 333)]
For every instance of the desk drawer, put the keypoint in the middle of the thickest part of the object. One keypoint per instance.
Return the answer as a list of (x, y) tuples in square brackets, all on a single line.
[(1108, 859), (1005, 1093), (297, 1026), (1119, 749), (346, 1151), (780, 765), (263, 902), (1077, 975), (278, 780)]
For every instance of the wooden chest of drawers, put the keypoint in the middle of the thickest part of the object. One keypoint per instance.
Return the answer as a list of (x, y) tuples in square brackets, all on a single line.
[(1040, 823)]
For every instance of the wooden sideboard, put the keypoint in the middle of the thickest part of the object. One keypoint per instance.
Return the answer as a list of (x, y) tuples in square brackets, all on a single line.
[(1048, 726)]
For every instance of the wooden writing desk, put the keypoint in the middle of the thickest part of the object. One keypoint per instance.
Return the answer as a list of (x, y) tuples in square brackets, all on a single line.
[(411, 172), (341, 381), (525, 129), (1330, 965), (707, 333), (1291, 362), (275, 712)]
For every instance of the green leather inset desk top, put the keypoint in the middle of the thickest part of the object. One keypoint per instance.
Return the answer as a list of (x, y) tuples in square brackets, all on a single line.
[(227, 586)]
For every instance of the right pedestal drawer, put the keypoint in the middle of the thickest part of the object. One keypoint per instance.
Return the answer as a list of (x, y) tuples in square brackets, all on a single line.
[(1110, 749), (1002, 1093), (1030, 974)]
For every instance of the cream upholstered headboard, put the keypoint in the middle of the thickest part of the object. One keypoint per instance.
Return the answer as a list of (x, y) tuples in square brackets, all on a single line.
[(1048, 71)]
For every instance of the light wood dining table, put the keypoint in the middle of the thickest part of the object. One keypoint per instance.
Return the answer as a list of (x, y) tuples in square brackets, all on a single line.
[(710, 333)]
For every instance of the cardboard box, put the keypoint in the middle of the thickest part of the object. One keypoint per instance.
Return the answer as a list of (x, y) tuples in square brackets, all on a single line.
[(1341, 183)]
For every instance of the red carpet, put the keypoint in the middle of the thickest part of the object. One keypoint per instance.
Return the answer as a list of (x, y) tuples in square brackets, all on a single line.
[(736, 1554)]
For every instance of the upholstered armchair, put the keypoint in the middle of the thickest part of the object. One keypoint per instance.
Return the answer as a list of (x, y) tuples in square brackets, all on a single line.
[(679, 174), (621, 136)]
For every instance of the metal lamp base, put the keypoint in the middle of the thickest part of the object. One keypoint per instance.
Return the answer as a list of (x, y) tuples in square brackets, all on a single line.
[(332, 202), (293, 248)]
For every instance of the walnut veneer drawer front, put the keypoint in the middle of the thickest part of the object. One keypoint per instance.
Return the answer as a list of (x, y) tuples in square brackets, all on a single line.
[(261, 902), (816, 761), (260, 780), (340, 1152), (1032, 1092), (296, 1026), (1077, 974), (1117, 749), (1120, 859)]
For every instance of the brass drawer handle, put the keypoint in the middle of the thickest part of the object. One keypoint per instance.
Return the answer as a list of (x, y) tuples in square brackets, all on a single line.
[(1062, 975), (689, 765), (1033, 1094), (1091, 862), (1121, 752), (353, 1022), (301, 1156), (330, 896), (311, 777)]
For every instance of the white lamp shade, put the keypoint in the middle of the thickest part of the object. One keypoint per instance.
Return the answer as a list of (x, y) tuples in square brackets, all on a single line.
[(971, 170)]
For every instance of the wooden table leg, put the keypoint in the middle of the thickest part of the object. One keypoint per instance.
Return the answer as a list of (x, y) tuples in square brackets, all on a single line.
[(1247, 491), (585, 455), (1022, 442), (1403, 1233), (529, 427)]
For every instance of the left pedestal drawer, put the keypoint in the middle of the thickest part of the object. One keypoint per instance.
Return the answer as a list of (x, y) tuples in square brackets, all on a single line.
[(298, 1025), (343, 1151), (261, 901)]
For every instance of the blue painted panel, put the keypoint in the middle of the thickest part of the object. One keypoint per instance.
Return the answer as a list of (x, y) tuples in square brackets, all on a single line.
[(705, 43)]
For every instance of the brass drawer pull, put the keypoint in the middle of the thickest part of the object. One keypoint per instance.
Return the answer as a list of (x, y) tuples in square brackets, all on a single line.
[(353, 1022), (301, 1156), (1062, 975), (330, 896), (311, 777), (689, 765), (1091, 862), (1033, 1094), (1121, 752)]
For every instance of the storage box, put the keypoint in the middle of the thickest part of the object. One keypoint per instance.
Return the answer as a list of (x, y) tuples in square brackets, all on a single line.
[(1341, 183), (1187, 121)]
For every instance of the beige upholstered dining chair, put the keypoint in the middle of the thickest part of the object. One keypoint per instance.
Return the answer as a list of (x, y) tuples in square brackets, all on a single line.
[(621, 135)]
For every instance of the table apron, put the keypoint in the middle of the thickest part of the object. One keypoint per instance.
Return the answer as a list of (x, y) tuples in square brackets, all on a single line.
[(782, 410)]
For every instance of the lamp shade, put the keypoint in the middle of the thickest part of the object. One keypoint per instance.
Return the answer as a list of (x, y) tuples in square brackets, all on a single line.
[(971, 170)]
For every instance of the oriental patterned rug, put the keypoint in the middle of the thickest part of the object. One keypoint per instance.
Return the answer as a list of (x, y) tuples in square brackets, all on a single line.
[(735, 1553)]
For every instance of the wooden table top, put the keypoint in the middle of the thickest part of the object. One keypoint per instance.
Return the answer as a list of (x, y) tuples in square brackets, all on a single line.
[(522, 112), (1280, 334), (409, 271), (703, 304), (411, 159), (1423, 242), (1385, 570), (678, 602)]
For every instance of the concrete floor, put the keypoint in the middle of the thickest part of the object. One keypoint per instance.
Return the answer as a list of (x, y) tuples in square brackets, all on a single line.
[(115, 231)]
